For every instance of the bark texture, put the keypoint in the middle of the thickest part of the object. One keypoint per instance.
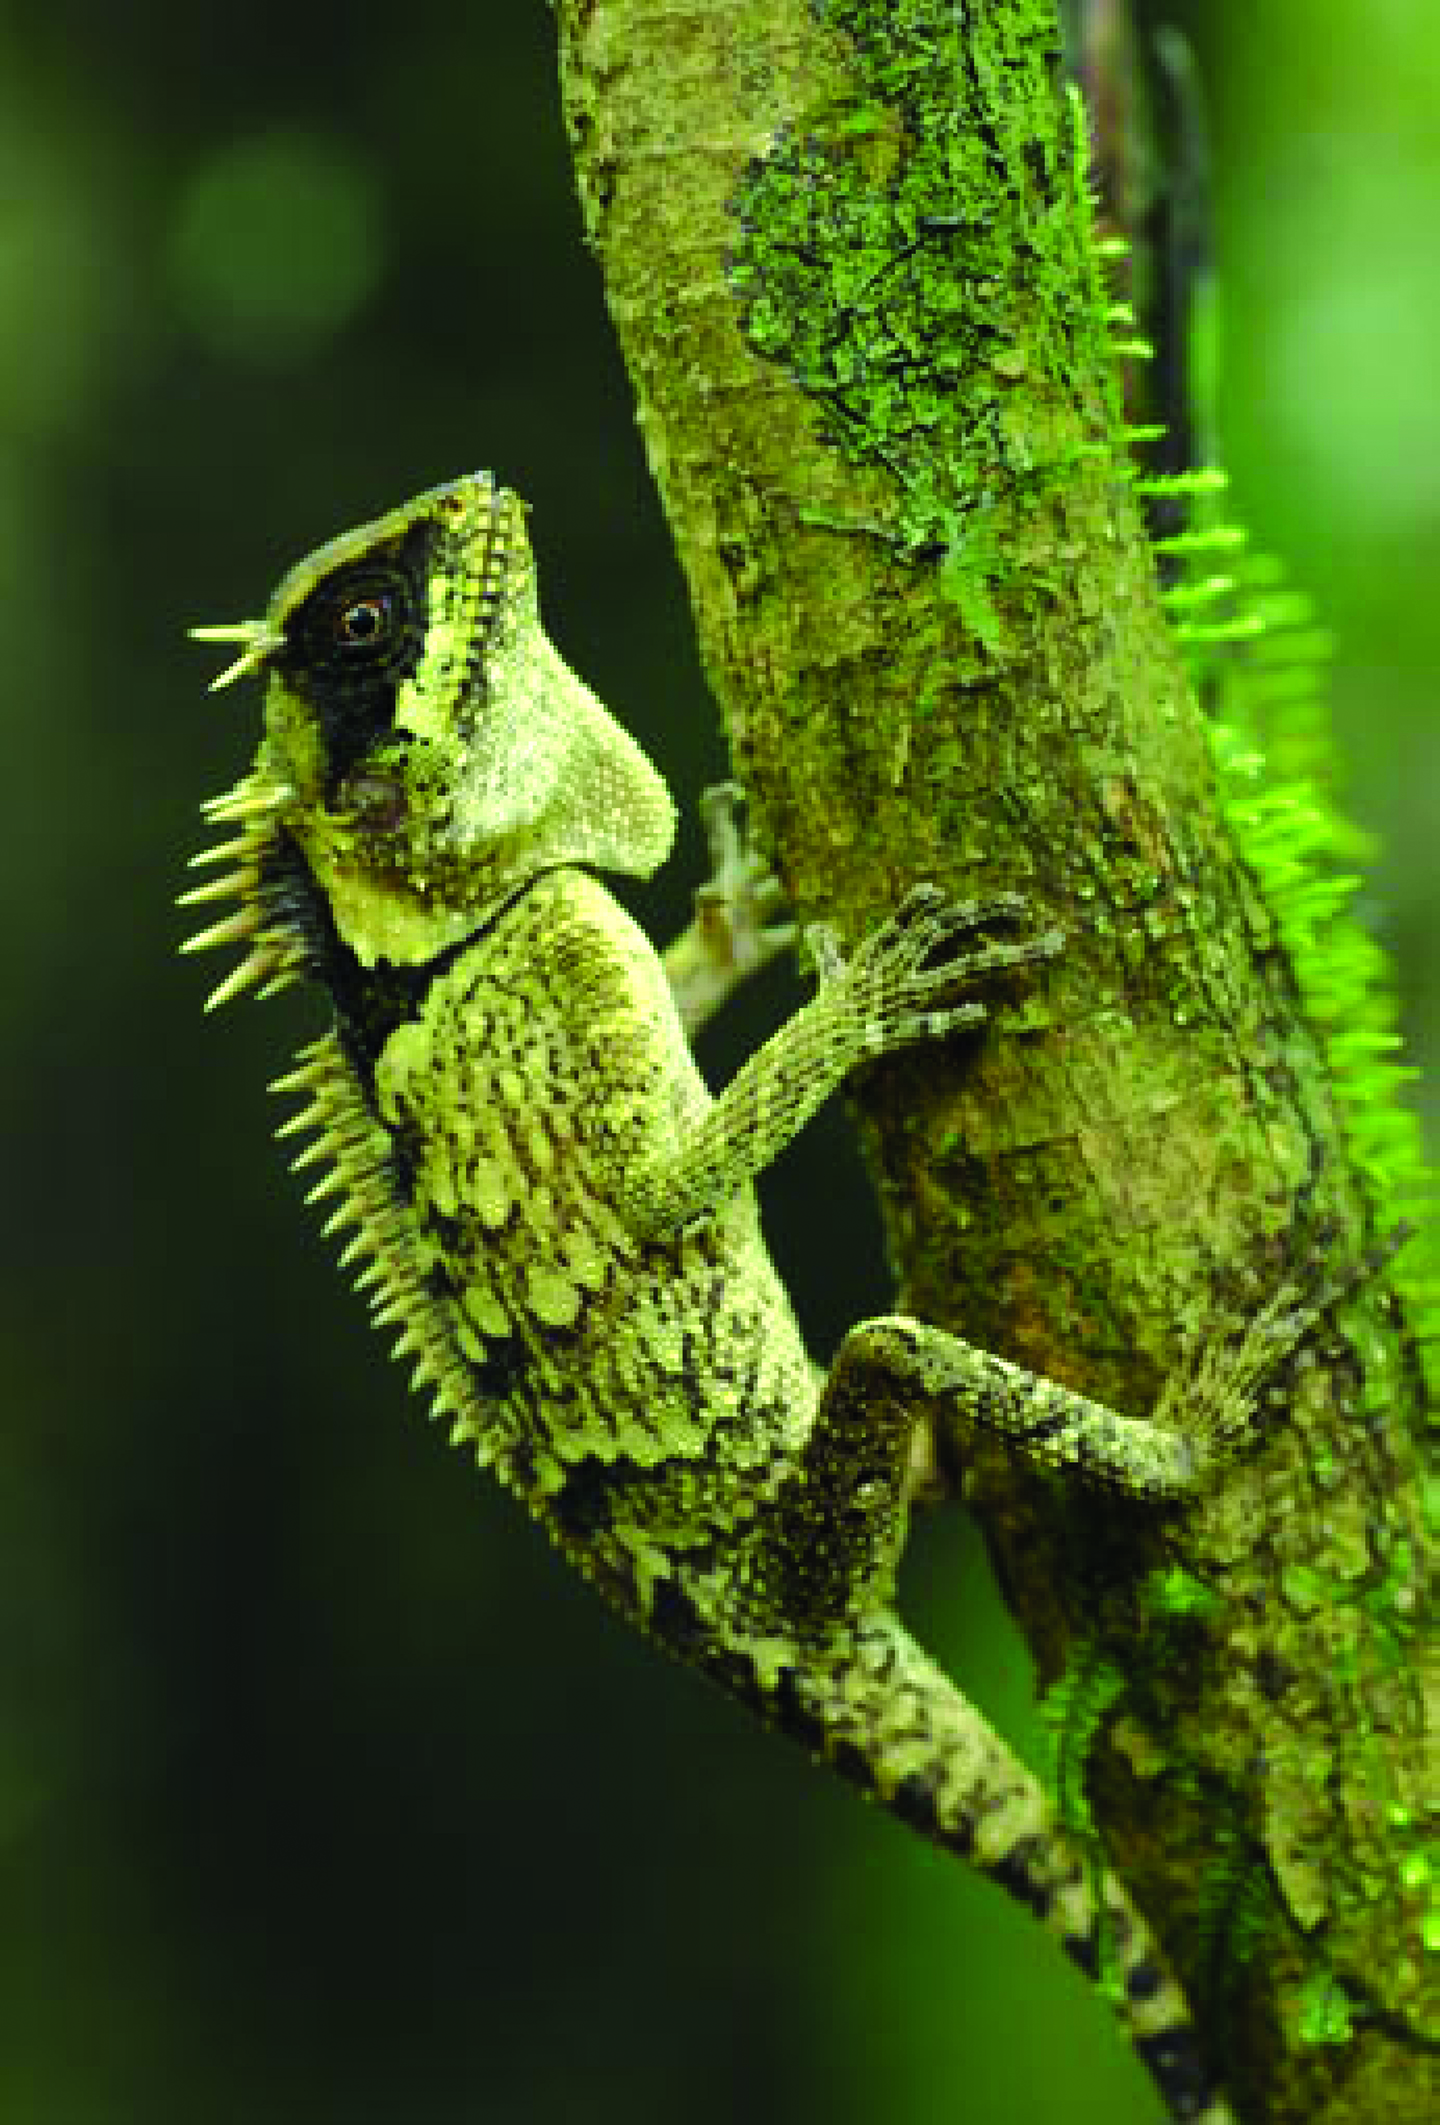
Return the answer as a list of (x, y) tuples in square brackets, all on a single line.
[(845, 246)]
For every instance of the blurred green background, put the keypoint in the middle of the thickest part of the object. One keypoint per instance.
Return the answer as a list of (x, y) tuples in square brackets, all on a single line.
[(325, 1794)]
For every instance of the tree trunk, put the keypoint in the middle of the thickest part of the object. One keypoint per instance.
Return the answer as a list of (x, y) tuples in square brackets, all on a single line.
[(846, 248)]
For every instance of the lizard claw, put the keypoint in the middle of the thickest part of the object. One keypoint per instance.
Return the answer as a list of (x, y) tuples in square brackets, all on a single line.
[(913, 977)]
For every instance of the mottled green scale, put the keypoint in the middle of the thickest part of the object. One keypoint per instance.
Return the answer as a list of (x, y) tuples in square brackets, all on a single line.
[(557, 1035), (546, 1203)]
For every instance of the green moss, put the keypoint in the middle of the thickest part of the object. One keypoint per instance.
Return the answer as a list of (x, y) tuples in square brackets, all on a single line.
[(1325, 2016), (1259, 662), (1072, 1712), (1175, 1592), (1236, 1912)]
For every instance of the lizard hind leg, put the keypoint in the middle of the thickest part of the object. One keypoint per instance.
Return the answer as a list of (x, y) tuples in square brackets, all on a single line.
[(963, 1390), (831, 1539), (859, 1691), (829, 1544)]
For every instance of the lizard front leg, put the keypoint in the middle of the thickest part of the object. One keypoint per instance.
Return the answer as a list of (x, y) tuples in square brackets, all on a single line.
[(904, 983)]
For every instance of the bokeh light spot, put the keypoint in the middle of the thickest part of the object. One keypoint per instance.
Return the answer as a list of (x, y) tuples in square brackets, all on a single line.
[(276, 243)]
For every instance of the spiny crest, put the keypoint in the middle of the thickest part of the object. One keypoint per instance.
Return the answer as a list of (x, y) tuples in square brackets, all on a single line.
[(355, 1151), (275, 952)]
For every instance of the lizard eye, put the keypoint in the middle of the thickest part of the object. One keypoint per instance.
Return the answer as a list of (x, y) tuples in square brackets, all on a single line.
[(358, 624), (350, 644), (364, 622)]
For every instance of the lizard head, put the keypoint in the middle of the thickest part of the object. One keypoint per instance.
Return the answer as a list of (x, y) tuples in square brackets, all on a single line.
[(426, 751)]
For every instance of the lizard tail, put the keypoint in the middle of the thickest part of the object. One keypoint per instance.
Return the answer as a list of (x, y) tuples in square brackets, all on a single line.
[(878, 1709)]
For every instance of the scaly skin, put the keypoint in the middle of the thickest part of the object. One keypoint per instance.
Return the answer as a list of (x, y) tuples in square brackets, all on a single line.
[(560, 1219)]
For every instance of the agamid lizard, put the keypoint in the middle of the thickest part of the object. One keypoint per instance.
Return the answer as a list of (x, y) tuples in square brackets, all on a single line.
[(559, 1219)]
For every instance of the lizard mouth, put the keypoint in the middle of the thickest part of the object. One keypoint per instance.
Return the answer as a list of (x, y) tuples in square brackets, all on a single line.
[(266, 923)]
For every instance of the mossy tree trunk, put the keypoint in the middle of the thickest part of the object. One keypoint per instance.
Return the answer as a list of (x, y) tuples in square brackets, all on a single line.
[(845, 245)]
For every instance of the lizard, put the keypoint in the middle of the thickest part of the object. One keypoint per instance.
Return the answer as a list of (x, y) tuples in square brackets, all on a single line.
[(547, 1203)]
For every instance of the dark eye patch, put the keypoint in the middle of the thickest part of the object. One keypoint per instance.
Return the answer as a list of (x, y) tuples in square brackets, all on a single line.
[(350, 643)]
